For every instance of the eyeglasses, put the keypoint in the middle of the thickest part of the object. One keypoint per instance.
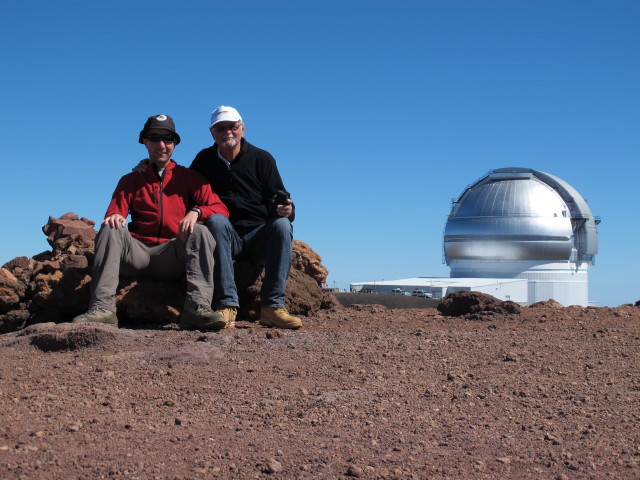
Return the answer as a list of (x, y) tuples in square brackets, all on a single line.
[(224, 128), (166, 138)]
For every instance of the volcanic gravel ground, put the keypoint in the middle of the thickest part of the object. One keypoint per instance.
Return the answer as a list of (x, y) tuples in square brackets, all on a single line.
[(365, 392)]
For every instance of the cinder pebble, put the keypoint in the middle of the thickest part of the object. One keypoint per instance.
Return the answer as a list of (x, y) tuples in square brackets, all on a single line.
[(354, 471), (510, 357), (272, 466)]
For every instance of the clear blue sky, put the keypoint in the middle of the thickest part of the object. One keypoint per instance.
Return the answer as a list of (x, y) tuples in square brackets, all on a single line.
[(379, 113)]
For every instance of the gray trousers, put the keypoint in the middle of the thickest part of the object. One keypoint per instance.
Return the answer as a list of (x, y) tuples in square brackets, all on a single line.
[(118, 253)]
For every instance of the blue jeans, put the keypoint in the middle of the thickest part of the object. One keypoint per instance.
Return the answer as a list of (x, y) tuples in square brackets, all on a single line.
[(269, 244)]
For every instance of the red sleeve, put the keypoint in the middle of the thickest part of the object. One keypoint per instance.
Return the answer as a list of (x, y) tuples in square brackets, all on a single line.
[(208, 202), (121, 198)]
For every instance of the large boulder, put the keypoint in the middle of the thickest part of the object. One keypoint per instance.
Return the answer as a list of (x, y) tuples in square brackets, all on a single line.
[(14, 320), (465, 302), (70, 234), (54, 286), (60, 292), (137, 299), (303, 296), (141, 301), (14, 280), (11, 291), (305, 260), (21, 268)]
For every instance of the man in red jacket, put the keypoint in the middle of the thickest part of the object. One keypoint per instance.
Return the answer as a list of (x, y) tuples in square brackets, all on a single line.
[(164, 240)]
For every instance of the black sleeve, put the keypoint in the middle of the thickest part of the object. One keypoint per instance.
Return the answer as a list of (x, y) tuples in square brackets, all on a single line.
[(274, 181)]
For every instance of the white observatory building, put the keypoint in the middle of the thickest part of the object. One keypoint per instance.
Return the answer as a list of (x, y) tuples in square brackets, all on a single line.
[(517, 234), (518, 223)]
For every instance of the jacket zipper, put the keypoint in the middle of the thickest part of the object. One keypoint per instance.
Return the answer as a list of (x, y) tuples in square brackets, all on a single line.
[(159, 194)]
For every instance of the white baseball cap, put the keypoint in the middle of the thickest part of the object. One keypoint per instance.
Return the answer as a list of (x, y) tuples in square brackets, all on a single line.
[(224, 114)]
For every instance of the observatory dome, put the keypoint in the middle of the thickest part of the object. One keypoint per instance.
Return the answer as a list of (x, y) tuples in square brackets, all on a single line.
[(520, 214), (517, 223)]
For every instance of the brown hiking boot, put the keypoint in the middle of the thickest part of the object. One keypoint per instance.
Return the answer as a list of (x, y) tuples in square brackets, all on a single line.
[(98, 315), (229, 314), (278, 317), (202, 318)]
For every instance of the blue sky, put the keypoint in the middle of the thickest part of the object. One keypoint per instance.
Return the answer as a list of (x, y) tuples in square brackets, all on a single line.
[(379, 113)]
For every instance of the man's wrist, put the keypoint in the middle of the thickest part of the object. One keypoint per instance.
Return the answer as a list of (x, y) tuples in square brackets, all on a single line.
[(198, 211)]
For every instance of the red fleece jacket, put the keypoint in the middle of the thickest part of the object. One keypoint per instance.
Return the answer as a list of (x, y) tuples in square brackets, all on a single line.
[(157, 206)]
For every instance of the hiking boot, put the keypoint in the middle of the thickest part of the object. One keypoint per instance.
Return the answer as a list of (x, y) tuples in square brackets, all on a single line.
[(98, 315), (202, 318), (278, 317), (229, 314)]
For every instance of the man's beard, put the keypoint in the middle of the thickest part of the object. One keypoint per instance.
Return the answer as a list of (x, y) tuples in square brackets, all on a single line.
[(231, 141)]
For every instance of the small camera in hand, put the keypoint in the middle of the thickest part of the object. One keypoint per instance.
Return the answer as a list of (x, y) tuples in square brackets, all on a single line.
[(280, 198)]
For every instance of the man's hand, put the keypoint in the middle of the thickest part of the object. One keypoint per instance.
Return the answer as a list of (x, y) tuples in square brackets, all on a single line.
[(185, 227), (141, 167), (285, 210), (115, 221)]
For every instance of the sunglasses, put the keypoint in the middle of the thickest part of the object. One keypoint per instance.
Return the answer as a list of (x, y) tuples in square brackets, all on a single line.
[(224, 128), (166, 138)]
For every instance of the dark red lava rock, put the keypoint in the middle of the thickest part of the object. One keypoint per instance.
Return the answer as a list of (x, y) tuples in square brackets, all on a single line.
[(465, 302)]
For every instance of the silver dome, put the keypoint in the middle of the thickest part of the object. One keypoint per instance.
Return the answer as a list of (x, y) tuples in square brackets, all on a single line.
[(520, 214)]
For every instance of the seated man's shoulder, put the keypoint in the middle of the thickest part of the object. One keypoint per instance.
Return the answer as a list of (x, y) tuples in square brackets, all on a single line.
[(206, 152), (131, 177), (259, 153), (204, 160)]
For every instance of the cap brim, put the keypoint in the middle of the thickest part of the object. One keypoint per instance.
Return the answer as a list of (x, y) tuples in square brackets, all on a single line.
[(239, 119)]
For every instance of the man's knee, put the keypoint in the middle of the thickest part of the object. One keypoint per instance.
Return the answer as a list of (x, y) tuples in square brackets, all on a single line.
[(282, 227), (202, 236), (108, 234), (217, 223)]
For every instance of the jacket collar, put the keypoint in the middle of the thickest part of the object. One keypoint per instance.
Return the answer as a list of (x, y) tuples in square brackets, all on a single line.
[(243, 148), (151, 171)]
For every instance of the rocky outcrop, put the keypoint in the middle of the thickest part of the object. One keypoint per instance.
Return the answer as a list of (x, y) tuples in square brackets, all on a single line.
[(70, 235), (11, 290), (465, 302), (54, 286), (305, 260), (551, 303)]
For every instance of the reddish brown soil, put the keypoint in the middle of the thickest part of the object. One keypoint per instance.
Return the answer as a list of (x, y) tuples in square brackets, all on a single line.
[(364, 392)]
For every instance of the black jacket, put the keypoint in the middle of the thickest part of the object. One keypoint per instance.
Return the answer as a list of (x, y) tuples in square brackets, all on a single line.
[(246, 186)]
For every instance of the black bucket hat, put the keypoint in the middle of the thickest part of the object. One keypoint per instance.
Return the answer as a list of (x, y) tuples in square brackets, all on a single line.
[(159, 121)]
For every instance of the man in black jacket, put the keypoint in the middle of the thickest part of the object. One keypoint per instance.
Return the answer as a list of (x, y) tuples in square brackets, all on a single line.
[(247, 180)]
